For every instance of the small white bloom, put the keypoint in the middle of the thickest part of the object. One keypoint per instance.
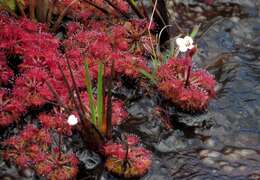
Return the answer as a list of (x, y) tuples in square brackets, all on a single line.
[(72, 120), (185, 43)]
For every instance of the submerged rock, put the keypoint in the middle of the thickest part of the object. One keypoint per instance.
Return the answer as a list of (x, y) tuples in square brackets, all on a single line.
[(172, 142), (201, 120), (142, 108), (90, 159), (27, 172)]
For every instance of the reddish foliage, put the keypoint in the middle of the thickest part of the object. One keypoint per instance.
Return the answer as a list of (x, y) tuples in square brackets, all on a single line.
[(94, 41), (83, 9), (132, 139), (119, 114), (193, 96), (32, 148), (40, 55), (122, 5), (56, 120), (61, 168), (30, 86), (10, 108), (5, 72), (138, 159)]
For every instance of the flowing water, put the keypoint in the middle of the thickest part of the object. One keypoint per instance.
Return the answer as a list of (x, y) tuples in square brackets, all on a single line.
[(224, 141), (230, 147)]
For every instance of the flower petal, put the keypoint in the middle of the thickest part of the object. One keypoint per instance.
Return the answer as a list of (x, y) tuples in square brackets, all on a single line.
[(183, 48), (188, 40), (180, 41), (72, 120)]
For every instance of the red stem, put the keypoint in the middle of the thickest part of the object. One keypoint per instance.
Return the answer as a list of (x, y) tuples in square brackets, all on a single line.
[(187, 82)]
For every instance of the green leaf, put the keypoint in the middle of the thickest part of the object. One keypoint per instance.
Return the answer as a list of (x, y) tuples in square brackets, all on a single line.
[(100, 95), (166, 55), (90, 94), (195, 30), (134, 2), (148, 75), (10, 4)]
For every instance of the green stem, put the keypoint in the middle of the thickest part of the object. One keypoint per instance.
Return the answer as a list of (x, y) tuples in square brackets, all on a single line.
[(135, 9), (90, 93), (100, 95)]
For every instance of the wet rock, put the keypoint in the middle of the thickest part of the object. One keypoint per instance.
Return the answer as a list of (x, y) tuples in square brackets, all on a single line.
[(214, 154), (204, 153), (154, 177), (249, 6), (232, 157), (151, 129), (226, 36), (247, 152), (228, 150), (194, 143), (223, 163), (242, 168), (7, 177), (90, 159), (202, 120), (142, 108), (198, 9), (211, 143), (208, 161), (210, 154), (227, 169), (254, 176), (106, 176), (124, 92), (27, 172), (172, 142)]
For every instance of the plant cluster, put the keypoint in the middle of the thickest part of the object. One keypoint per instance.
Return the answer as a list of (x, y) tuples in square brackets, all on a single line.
[(188, 88), (33, 148), (5, 71), (10, 108), (40, 61), (39, 73), (64, 72), (127, 158)]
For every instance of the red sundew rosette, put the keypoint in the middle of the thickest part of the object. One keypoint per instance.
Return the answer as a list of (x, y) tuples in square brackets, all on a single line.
[(138, 160), (5, 72), (55, 168), (27, 87), (31, 148), (192, 96), (11, 108)]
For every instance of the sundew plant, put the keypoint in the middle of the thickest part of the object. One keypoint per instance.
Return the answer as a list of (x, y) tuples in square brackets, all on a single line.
[(62, 63)]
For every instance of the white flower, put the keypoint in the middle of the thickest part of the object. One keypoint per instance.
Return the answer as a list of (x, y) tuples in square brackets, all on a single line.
[(185, 43), (72, 120)]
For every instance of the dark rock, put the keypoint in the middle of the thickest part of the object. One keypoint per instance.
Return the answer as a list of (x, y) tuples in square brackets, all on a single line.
[(171, 142), (201, 120), (90, 159), (142, 108), (27, 173)]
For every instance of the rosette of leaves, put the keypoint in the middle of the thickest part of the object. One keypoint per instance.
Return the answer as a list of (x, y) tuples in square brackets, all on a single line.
[(32, 147), (127, 158), (189, 89)]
